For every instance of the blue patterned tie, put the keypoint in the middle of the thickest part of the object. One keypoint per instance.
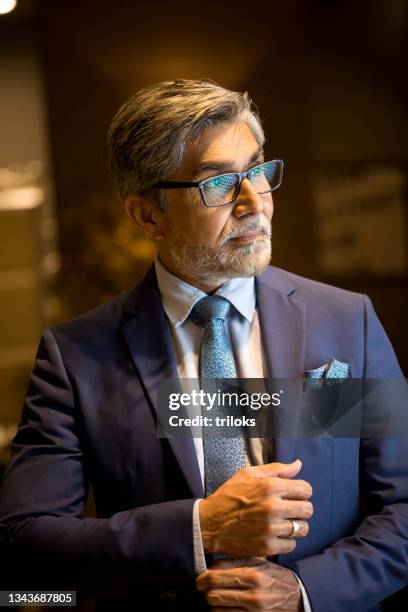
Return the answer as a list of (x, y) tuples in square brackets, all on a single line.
[(223, 456)]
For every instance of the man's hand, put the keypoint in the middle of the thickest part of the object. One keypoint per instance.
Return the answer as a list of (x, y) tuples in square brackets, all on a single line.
[(250, 584), (248, 515)]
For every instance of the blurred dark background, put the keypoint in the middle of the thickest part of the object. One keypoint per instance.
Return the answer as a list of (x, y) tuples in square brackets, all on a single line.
[(329, 79)]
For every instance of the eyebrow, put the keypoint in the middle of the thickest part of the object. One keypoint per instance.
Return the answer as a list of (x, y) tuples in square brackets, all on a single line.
[(223, 166)]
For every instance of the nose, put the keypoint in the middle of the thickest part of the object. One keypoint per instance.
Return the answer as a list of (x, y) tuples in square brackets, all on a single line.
[(248, 201)]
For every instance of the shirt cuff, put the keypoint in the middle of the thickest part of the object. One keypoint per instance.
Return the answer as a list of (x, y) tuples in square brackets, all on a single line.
[(199, 556), (306, 603)]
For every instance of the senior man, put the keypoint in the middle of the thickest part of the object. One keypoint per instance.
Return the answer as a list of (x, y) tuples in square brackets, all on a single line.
[(187, 158)]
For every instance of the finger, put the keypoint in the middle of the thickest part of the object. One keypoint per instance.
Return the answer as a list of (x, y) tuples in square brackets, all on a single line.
[(292, 509), (238, 561), (284, 529), (288, 531), (267, 546), (291, 489), (218, 609), (281, 546), (230, 578), (230, 598), (282, 470)]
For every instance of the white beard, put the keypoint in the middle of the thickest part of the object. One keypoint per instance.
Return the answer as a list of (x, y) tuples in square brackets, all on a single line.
[(220, 261)]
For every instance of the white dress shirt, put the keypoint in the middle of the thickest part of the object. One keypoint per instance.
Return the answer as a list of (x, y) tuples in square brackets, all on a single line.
[(242, 326)]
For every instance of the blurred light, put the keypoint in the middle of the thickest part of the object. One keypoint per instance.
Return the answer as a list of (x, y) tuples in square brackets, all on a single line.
[(7, 433), (6, 6), (52, 308), (51, 263), (21, 198)]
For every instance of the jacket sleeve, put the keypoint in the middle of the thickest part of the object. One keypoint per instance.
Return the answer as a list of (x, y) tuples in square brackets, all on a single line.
[(45, 542), (359, 571)]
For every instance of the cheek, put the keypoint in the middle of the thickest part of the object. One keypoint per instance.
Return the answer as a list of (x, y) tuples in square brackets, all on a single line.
[(216, 223), (268, 208), (207, 224)]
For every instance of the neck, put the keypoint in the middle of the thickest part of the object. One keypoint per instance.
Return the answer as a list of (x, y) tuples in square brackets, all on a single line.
[(209, 284)]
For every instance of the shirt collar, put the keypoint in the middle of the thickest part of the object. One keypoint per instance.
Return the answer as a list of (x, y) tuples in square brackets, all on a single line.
[(179, 297)]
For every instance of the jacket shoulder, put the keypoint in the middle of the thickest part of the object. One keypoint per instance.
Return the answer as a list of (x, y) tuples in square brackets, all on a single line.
[(307, 289), (105, 315), (111, 313)]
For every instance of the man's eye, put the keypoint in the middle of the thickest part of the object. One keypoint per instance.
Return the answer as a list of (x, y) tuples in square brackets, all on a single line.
[(221, 182)]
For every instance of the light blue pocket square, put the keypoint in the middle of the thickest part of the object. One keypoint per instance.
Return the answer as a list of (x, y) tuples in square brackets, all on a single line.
[(334, 371)]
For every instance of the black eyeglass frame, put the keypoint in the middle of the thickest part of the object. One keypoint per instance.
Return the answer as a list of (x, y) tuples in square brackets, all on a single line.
[(241, 176)]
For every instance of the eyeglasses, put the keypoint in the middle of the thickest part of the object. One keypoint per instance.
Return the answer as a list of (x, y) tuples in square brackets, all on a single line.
[(224, 189)]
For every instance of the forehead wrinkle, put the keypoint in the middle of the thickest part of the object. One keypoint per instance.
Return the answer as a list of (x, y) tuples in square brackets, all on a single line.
[(227, 165)]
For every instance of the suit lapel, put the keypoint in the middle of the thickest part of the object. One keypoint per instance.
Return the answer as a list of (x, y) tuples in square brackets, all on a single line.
[(282, 323), (146, 334)]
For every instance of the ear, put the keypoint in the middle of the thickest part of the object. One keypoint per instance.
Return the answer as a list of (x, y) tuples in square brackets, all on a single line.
[(145, 215)]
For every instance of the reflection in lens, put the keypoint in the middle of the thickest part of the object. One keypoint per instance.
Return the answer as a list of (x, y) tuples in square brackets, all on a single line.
[(220, 189), (265, 177)]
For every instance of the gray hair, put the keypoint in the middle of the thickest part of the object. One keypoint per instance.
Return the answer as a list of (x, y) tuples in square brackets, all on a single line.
[(150, 133)]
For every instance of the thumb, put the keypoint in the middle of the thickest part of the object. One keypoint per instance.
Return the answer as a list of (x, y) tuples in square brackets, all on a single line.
[(275, 469), (288, 470), (238, 562)]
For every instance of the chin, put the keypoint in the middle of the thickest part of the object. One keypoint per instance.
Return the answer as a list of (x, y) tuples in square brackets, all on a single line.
[(249, 261), (217, 265)]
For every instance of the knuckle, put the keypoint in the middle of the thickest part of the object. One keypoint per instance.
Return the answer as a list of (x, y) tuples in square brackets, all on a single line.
[(266, 507), (268, 486), (308, 489), (273, 509), (305, 489), (290, 545), (275, 546), (212, 598), (305, 510), (309, 510), (305, 529), (257, 579), (278, 466), (209, 581), (267, 547), (257, 602), (271, 529)]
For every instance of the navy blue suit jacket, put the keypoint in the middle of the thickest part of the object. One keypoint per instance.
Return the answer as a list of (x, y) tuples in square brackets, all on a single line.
[(90, 418)]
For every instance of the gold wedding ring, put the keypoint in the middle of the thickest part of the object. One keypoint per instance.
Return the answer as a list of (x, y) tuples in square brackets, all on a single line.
[(295, 528)]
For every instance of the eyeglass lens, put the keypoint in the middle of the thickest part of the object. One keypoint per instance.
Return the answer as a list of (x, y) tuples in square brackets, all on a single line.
[(222, 189)]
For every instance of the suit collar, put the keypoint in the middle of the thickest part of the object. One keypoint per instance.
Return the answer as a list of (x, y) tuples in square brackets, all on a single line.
[(282, 320), (277, 280), (283, 324)]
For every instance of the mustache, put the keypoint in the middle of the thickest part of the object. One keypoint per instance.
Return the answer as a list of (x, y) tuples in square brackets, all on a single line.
[(249, 225)]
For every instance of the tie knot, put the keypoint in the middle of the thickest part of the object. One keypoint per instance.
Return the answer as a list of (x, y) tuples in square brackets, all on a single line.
[(211, 307)]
